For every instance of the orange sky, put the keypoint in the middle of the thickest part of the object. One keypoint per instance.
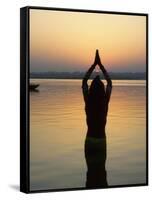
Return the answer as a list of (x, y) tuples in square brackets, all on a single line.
[(66, 41)]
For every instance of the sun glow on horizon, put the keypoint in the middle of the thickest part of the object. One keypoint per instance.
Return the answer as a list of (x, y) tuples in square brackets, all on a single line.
[(66, 41)]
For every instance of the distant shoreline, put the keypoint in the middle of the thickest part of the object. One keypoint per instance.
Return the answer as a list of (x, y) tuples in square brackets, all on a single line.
[(89, 79), (80, 75)]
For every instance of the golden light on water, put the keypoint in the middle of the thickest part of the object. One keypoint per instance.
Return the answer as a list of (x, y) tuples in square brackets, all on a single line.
[(58, 130)]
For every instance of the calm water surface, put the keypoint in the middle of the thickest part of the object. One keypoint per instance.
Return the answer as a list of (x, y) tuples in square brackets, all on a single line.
[(58, 130)]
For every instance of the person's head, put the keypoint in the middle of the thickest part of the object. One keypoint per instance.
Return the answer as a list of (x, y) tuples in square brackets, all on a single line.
[(96, 95)]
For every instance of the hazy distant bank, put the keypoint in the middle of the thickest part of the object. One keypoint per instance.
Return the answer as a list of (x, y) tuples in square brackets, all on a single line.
[(80, 75)]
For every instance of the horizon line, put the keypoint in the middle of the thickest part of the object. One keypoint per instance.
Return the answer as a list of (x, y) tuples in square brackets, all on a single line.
[(83, 72)]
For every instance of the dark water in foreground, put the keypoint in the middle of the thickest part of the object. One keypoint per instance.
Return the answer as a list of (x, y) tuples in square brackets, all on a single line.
[(58, 130)]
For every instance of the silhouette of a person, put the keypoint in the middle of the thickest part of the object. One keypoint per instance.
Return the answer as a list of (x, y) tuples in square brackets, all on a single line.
[(95, 155), (96, 100)]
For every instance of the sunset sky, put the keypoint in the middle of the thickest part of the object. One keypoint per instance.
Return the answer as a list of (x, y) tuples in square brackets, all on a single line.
[(66, 41)]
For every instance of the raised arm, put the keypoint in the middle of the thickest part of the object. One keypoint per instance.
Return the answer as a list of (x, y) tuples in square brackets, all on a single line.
[(106, 76), (88, 74), (84, 82), (90, 70), (109, 82)]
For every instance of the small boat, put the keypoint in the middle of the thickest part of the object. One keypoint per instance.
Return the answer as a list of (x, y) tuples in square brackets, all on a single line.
[(33, 86)]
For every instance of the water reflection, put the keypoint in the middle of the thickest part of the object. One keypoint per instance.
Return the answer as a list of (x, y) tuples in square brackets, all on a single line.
[(57, 136), (95, 155)]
